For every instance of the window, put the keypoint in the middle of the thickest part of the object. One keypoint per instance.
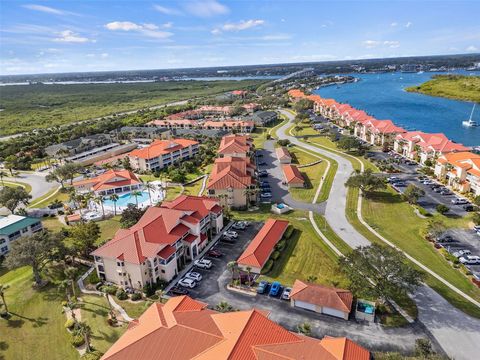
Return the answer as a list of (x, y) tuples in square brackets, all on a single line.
[(24, 230), (2, 241), (121, 263), (163, 271)]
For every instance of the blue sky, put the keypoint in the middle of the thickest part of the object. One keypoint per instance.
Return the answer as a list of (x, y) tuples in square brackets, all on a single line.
[(64, 36)]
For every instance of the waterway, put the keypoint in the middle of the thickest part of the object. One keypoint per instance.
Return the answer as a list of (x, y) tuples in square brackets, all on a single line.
[(384, 97)]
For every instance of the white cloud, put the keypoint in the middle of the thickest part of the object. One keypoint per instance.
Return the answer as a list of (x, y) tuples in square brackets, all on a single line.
[(314, 57), (68, 36), (408, 24), (150, 30), (47, 9), (393, 24), (371, 43), (167, 25), (471, 48), (240, 26), (206, 8), (392, 44), (166, 10), (277, 37), (104, 55)]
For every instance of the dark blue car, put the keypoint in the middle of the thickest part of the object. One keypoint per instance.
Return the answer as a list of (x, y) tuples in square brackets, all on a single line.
[(275, 289)]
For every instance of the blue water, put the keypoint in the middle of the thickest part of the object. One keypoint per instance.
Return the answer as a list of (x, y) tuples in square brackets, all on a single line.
[(383, 96), (126, 199)]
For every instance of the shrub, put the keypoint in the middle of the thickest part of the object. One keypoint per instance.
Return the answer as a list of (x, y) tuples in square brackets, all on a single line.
[(268, 266), (442, 209), (275, 255), (94, 355), (280, 245), (121, 294), (423, 211), (69, 324), (136, 296), (288, 233), (93, 278), (77, 340), (109, 289)]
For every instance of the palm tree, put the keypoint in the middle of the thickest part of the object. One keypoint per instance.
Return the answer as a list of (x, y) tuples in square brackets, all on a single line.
[(232, 266), (2, 175), (149, 187), (64, 285), (2, 295), (99, 200), (223, 307), (136, 193), (80, 200), (305, 329), (71, 274), (249, 270), (114, 198), (84, 330), (72, 306), (160, 293)]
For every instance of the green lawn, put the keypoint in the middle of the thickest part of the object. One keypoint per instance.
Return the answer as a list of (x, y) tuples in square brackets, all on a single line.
[(193, 188), (46, 200), (52, 224), (173, 192), (108, 228), (133, 309), (11, 183)]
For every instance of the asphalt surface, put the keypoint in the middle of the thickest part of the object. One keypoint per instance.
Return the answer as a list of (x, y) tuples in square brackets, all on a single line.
[(37, 181)]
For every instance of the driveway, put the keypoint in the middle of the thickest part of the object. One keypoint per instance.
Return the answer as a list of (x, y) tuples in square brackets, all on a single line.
[(279, 191)]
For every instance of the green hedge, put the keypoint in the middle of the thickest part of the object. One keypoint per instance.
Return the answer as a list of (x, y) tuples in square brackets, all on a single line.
[(111, 290), (288, 233), (121, 294), (280, 245), (136, 296), (69, 323), (94, 355), (77, 340), (275, 255), (268, 266)]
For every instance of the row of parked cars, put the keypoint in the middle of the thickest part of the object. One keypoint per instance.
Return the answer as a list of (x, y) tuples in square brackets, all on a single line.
[(464, 256), (274, 289), (264, 185)]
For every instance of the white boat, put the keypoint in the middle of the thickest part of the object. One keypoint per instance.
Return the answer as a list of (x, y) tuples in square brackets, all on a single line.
[(470, 122)]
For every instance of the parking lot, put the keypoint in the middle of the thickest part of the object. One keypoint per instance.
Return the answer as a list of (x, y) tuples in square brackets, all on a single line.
[(463, 239)]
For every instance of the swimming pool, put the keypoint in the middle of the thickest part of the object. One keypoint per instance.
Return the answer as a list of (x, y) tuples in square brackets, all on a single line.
[(125, 199)]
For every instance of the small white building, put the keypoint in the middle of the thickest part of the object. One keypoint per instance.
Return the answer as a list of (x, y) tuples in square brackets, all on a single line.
[(13, 227)]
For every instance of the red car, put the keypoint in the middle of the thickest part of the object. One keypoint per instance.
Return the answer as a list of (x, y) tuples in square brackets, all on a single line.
[(214, 253)]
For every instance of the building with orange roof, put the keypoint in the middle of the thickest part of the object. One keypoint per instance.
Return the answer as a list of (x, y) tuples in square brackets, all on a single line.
[(296, 95), (420, 146), (110, 182), (163, 153), (235, 145), (174, 123), (321, 299), (262, 246), (184, 329), (283, 155), (461, 170), (378, 132), (164, 239), (230, 125), (293, 176)]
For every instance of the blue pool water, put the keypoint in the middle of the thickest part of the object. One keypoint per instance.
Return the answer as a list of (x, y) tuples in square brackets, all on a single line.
[(280, 206), (126, 199), (383, 96)]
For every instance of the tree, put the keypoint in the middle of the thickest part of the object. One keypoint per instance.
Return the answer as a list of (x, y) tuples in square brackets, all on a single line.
[(130, 216), (442, 209), (2, 295), (114, 198), (223, 307), (476, 218), (136, 194), (305, 329), (2, 175), (476, 200), (71, 275), (232, 266), (12, 197), (10, 163), (348, 143), (84, 330), (52, 176), (423, 348), (366, 181), (149, 188), (412, 193), (37, 251), (64, 173), (302, 105), (99, 200), (83, 237), (380, 271), (434, 229), (312, 278)]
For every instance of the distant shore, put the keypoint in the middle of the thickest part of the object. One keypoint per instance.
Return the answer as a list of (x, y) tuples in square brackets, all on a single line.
[(458, 87)]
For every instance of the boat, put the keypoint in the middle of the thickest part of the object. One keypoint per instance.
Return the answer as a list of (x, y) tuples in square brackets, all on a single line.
[(470, 122)]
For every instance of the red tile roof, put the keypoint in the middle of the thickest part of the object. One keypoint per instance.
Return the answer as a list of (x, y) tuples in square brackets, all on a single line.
[(110, 179), (230, 144), (173, 122), (282, 153), (161, 147), (292, 174), (428, 142), (184, 329), (197, 206), (321, 295), (260, 248)]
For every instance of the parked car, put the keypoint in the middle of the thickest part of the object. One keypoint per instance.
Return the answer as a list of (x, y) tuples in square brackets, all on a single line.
[(203, 263), (194, 276), (246, 223), (476, 228), (446, 192), (468, 207), (274, 289), (261, 163), (462, 252), (400, 184), (231, 233), (470, 260), (286, 293), (393, 179), (262, 174), (188, 283), (228, 239), (264, 183), (239, 226), (459, 201), (178, 291), (262, 287), (446, 238), (214, 253), (437, 189)]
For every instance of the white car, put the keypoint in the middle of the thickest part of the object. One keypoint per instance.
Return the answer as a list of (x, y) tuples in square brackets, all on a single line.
[(239, 225), (203, 263), (286, 293), (231, 233), (189, 283), (193, 276), (470, 260), (461, 253), (476, 228), (459, 201)]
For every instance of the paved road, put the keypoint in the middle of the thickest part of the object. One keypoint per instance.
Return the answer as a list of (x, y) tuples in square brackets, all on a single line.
[(37, 181), (279, 191), (457, 333), (335, 210)]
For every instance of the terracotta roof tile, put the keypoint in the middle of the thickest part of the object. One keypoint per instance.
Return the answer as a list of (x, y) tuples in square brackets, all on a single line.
[(292, 174), (161, 147), (321, 295)]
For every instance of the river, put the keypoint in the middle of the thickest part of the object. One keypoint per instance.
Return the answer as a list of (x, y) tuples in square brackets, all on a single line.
[(383, 96)]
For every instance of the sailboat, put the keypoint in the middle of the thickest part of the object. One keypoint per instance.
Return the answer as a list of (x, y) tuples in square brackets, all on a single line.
[(470, 122)]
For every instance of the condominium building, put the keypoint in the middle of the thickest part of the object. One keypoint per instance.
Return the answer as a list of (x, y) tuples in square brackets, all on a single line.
[(163, 153), (13, 227), (110, 182), (161, 243), (236, 146), (461, 170)]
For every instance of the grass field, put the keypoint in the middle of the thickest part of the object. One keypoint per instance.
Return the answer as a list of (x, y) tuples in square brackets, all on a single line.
[(451, 86), (48, 198), (41, 106), (9, 183)]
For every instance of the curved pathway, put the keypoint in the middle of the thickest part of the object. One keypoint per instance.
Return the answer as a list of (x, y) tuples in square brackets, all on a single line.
[(457, 332)]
